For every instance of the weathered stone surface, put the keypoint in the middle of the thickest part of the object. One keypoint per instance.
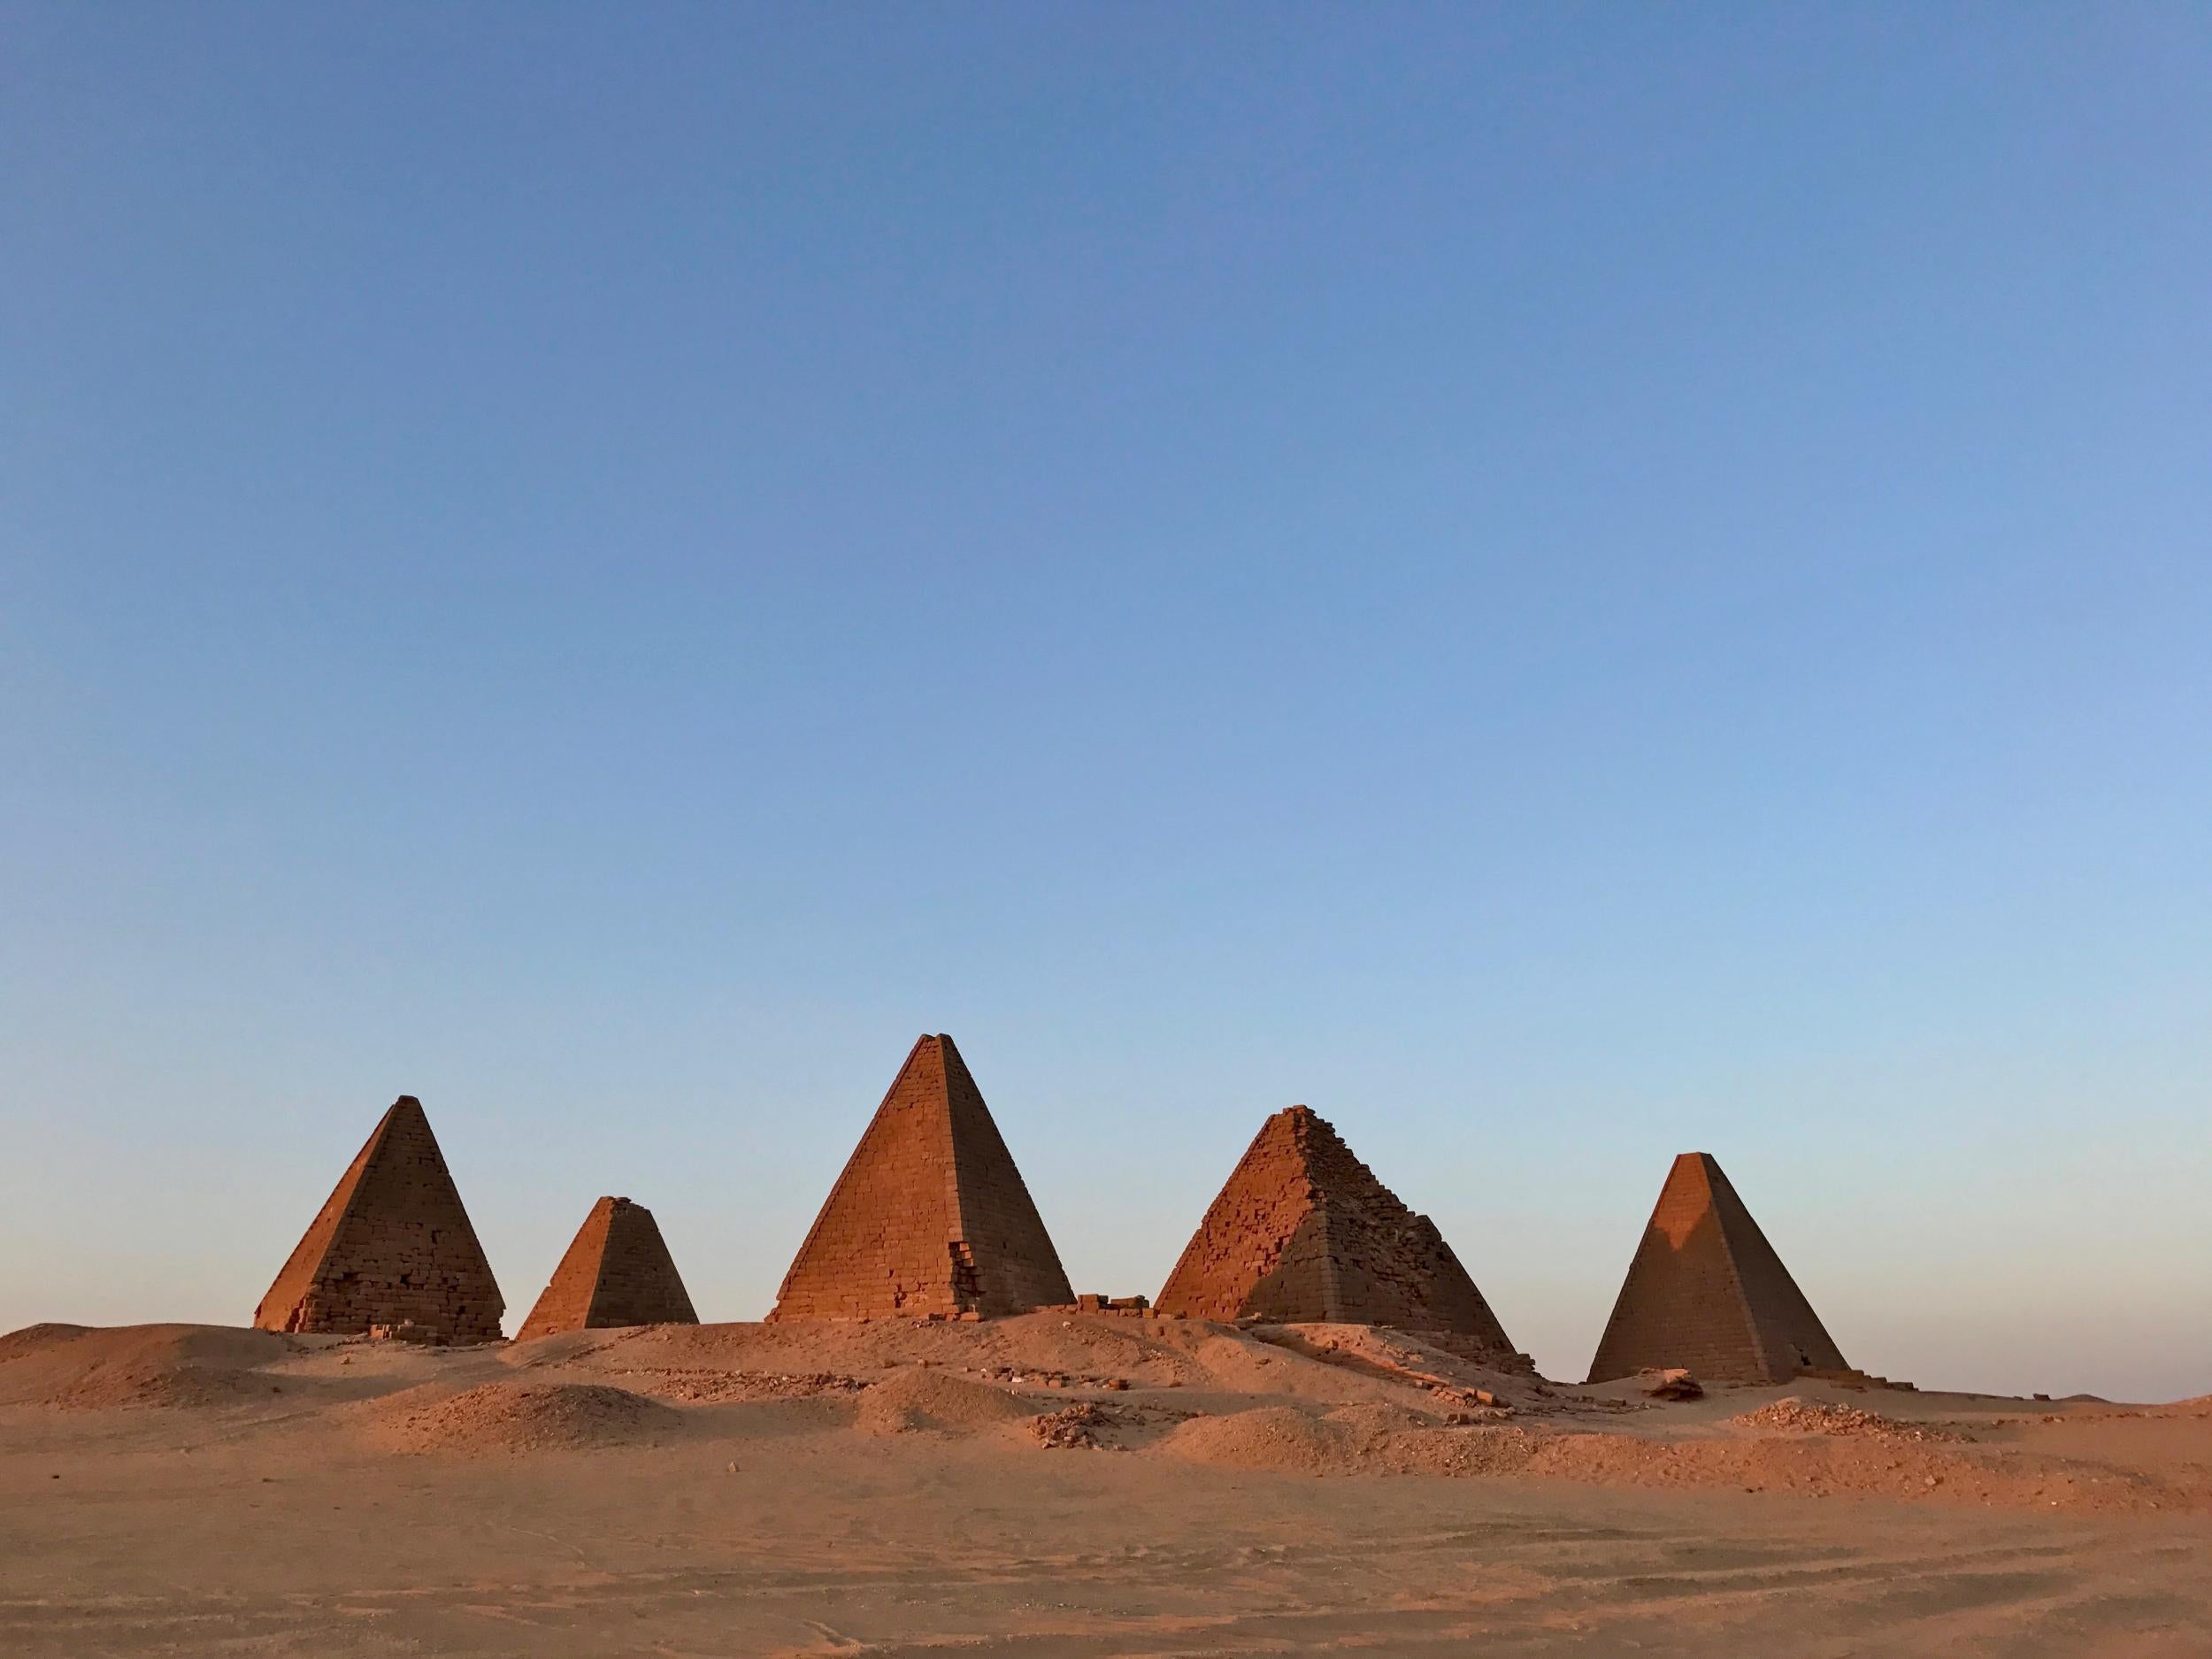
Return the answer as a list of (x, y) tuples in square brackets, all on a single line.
[(1303, 1233), (1706, 1290), (617, 1271), (930, 1215), (391, 1246)]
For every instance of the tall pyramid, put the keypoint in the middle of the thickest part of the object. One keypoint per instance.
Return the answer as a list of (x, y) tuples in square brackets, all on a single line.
[(391, 1245), (930, 1216), (1303, 1233), (617, 1271), (1707, 1291)]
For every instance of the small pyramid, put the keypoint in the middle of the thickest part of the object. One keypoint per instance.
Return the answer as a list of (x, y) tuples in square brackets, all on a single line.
[(391, 1246), (930, 1216), (1304, 1233), (1707, 1291), (617, 1271)]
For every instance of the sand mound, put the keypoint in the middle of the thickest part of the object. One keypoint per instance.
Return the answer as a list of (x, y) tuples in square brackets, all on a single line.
[(1794, 1415), (502, 1417), (1273, 1437), (924, 1398), (113, 1387), (1362, 1437), (1373, 1419), (34, 1338), (81, 1368)]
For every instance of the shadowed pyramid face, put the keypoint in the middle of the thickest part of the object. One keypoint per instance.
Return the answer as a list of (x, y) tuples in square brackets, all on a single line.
[(930, 1215), (1706, 1290), (1303, 1233), (392, 1245), (617, 1271)]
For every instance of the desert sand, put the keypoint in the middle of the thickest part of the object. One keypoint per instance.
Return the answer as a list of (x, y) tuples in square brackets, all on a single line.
[(1055, 1484)]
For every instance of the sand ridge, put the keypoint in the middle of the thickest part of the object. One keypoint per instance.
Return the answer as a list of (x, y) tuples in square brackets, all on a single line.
[(1325, 1400), (182, 1366)]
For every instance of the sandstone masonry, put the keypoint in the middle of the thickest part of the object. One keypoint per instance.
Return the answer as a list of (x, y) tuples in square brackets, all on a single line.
[(1706, 1290), (1304, 1232), (930, 1216), (617, 1271), (391, 1247)]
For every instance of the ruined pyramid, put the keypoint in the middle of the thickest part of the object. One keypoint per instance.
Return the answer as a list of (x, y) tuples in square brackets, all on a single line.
[(1304, 1232), (930, 1215), (617, 1271), (1707, 1291), (391, 1246)]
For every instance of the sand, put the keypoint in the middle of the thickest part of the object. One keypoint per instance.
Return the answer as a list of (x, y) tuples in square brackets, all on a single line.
[(1077, 1485)]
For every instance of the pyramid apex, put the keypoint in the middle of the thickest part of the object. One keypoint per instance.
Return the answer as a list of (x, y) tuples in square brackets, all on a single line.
[(1304, 1125)]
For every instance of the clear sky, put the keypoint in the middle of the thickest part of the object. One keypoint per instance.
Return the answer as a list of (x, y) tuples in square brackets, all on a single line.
[(1561, 584)]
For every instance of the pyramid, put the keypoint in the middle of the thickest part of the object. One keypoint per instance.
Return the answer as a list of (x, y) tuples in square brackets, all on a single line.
[(617, 1271), (1303, 1233), (1707, 1291), (930, 1216), (390, 1246)]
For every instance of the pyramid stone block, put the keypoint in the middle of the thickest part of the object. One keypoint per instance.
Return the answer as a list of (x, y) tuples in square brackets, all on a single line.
[(1304, 1233), (617, 1271), (930, 1215), (391, 1247), (1706, 1290)]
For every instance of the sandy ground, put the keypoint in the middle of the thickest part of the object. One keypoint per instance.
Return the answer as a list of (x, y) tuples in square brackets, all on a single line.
[(1056, 1485)]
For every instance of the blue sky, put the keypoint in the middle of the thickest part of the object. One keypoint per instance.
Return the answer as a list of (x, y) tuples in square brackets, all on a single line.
[(1562, 584)]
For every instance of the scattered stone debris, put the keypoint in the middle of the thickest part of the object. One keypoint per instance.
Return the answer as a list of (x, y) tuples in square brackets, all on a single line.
[(1030, 1377), (1491, 1406), (1137, 1307), (1793, 1416), (701, 1385), (1070, 1426), (1670, 1382), (407, 1331)]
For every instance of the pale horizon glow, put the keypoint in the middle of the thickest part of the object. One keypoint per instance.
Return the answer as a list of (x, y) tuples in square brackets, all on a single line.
[(1563, 586)]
